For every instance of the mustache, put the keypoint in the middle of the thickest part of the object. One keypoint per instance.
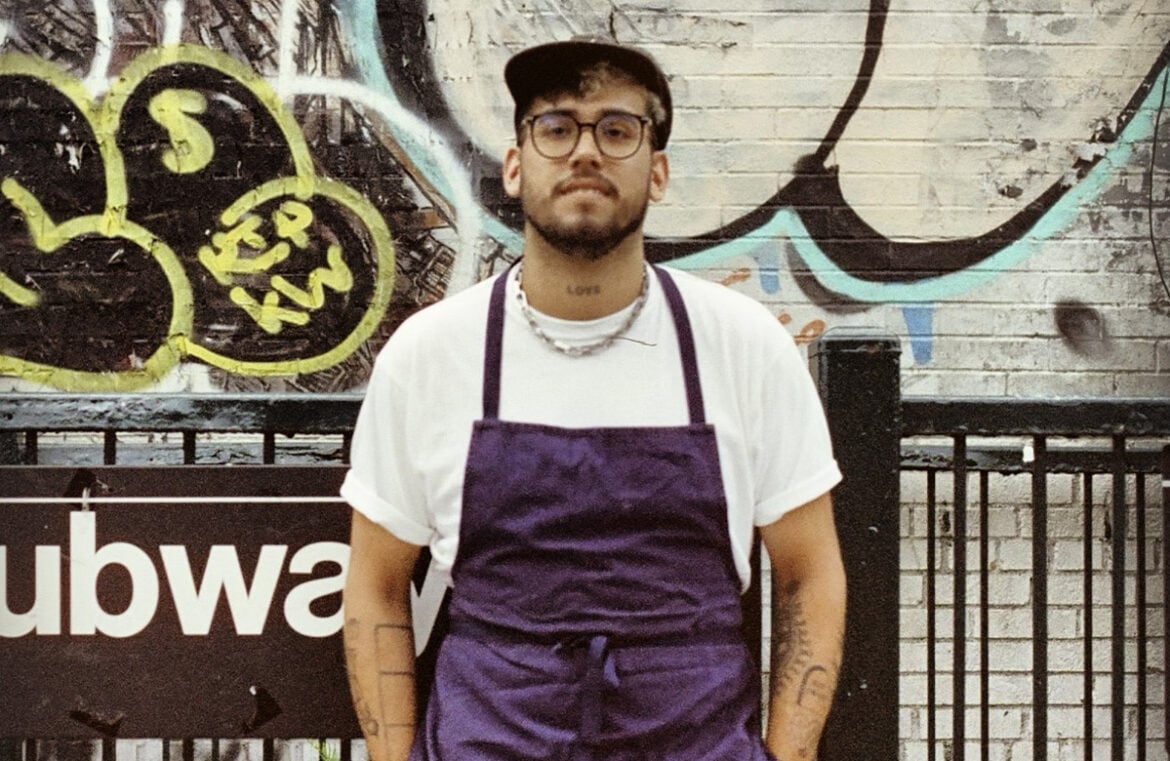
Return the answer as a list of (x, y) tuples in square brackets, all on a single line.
[(585, 181)]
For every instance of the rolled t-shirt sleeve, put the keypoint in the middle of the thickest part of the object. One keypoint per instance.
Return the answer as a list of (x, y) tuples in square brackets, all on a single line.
[(795, 462), (382, 483)]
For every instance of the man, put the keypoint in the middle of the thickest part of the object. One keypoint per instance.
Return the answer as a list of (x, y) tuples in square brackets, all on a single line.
[(587, 443)]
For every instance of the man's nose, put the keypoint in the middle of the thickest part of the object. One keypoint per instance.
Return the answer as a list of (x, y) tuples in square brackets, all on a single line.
[(586, 148)]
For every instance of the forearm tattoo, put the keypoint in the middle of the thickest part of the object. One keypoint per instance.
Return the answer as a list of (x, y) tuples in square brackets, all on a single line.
[(791, 645), (392, 644), (796, 671), (366, 719)]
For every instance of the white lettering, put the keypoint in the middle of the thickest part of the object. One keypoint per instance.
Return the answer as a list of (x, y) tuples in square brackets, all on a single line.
[(296, 605), (86, 614), (249, 607), (195, 603), (45, 614)]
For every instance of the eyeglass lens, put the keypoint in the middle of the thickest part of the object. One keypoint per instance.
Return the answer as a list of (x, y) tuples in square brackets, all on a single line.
[(618, 135)]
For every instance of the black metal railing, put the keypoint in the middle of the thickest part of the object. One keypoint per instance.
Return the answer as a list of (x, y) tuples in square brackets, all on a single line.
[(884, 443), (1045, 683)]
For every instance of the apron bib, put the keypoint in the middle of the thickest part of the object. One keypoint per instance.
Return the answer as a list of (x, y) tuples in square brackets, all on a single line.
[(595, 611)]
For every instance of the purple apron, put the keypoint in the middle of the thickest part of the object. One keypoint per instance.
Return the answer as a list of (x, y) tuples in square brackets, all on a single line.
[(595, 611)]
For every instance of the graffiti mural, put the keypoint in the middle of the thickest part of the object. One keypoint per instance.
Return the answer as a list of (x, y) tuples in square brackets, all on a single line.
[(256, 194)]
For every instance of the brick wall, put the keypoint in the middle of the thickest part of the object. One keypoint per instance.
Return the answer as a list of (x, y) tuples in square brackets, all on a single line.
[(982, 183), (991, 183), (1011, 594)]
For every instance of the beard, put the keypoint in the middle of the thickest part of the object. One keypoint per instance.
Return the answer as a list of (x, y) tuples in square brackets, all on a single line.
[(586, 240)]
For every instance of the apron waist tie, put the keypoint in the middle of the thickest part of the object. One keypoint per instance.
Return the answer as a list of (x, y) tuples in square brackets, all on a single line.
[(600, 669)]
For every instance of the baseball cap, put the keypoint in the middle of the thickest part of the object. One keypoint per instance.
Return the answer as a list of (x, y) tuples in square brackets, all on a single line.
[(555, 65)]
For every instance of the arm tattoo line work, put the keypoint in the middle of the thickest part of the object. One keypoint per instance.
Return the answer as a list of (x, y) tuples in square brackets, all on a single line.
[(791, 645), (794, 668)]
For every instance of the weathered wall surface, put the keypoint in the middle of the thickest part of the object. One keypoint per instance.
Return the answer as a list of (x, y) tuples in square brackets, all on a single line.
[(219, 194)]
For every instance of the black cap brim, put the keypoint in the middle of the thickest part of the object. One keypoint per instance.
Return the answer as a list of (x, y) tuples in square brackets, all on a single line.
[(555, 65)]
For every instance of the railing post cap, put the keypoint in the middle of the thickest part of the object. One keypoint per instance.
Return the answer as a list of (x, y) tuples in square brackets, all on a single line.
[(868, 340)]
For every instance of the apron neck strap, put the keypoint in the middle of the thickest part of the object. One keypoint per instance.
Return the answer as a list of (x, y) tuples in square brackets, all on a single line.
[(686, 346), (494, 346)]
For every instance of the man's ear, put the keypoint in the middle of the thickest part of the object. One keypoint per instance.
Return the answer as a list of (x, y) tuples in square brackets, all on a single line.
[(659, 175), (511, 176)]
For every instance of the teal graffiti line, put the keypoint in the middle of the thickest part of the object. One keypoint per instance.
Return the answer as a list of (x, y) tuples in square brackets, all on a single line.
[(787, 222), (359, 23)]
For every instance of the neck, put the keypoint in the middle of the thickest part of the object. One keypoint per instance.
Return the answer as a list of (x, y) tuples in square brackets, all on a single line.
[(577, 288)]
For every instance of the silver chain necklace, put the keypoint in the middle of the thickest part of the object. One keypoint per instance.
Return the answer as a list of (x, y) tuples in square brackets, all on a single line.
[(582, 350)]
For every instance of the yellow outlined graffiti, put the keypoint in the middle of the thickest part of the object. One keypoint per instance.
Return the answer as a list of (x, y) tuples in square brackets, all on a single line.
[(191, 148), (48, 237), (268, 313), (17, 293)]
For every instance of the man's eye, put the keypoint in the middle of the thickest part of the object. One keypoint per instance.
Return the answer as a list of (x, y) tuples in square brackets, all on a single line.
[(619, 128), (553, 127)]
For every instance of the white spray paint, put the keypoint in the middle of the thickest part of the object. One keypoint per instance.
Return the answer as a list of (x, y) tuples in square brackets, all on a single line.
[(173, 21), (289, 13), (98, 80), (407, 124)]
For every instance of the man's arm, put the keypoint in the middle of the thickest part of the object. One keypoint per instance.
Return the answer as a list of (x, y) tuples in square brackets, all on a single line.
[(808, 626), (379, 640)]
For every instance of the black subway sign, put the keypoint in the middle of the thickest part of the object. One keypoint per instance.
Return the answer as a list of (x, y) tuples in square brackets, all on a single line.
[(173, 602)]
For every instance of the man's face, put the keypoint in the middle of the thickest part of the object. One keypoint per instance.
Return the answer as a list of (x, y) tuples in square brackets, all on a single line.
[(586, 203)]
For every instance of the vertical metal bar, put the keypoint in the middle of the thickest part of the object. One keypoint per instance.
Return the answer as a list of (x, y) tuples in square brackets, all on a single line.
[(110, 450), (346, 749), (188, 447), (269, 749), (1087, 597), (9, 448), (188, 749), (1140, 603), (269, 454), (1166, 589), (959, 611), (109, 749), (346, 443), (31, 449), (984, 621), (1040, 599), (931, 615), (1117, 666)]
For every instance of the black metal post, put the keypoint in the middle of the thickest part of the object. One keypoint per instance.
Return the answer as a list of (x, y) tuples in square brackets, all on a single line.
[(857, 373), (1165, 584), (9, 448)]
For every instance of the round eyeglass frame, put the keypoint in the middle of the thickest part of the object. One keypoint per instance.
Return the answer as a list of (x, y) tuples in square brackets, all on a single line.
[(643, 122)]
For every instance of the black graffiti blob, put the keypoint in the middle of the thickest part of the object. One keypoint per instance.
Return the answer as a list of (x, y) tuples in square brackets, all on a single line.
[(195, 141), (102, 303), (248, 148), (1082, 328)]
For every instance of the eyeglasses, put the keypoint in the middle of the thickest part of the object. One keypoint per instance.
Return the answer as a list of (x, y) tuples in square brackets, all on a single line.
[(618, 135)]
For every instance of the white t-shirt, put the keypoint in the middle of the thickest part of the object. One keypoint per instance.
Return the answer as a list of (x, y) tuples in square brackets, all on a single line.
[(410, 444)]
